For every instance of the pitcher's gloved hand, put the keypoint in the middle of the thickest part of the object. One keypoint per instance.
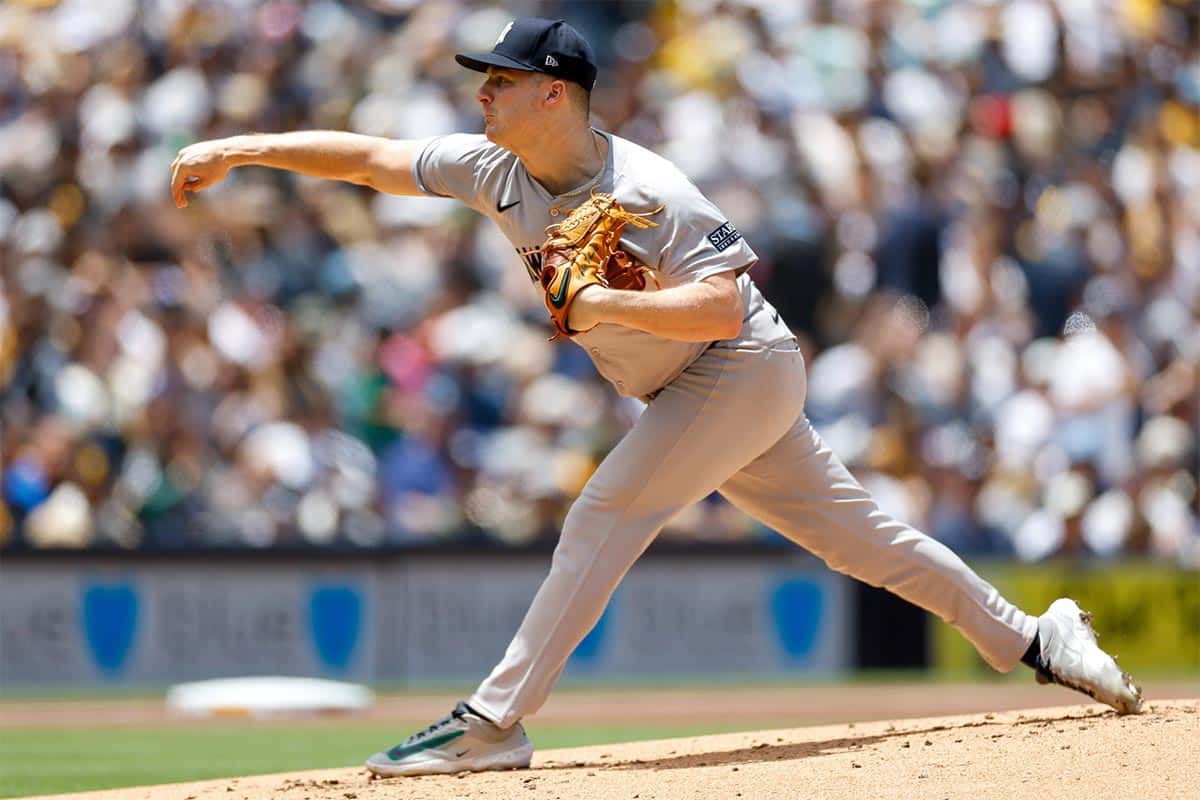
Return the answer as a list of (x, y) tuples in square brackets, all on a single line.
[(584, 250)]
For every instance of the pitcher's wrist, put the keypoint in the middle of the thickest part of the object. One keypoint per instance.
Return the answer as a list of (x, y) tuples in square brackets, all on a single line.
[(587, 308), (237, 151)]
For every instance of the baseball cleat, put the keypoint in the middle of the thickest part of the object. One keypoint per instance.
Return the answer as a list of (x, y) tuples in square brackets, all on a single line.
[(462, 742), (1070, 657)]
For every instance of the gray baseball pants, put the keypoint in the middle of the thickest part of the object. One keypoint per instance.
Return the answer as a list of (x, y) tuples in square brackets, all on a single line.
[(733, 421)]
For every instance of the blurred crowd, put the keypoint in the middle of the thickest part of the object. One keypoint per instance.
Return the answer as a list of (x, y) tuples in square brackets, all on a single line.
[(982, 219)]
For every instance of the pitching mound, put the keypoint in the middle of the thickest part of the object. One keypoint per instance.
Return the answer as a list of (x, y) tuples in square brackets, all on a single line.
[(1066, 752)]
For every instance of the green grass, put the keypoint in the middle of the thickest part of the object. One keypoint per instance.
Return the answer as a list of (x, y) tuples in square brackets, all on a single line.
[(51, 761)]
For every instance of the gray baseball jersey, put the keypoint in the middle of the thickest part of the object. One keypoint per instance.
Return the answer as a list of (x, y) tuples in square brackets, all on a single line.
[(692, 241)]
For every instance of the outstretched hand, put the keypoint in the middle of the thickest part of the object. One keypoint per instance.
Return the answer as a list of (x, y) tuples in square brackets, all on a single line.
[(198, 166)]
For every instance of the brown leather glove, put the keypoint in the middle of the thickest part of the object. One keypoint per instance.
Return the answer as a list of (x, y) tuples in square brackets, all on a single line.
[(583, 250)]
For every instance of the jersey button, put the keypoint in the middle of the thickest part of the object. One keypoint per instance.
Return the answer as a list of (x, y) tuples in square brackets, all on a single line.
[(595, 351), (554, 212)]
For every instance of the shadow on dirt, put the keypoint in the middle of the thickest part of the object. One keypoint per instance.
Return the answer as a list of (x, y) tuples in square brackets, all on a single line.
[(1086, 716), (795, 751), (764, 751)]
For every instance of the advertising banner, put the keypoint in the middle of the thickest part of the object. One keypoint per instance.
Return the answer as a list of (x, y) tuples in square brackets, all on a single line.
[(1147, 614), (419, 619), (669, 617), (167, 623)]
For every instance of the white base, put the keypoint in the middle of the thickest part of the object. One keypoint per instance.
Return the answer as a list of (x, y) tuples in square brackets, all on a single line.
[(267, 695)]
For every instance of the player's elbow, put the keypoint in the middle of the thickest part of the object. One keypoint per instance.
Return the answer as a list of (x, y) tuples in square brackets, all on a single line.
[(724, 304), (729, 328), (727, 311), (388, 167)]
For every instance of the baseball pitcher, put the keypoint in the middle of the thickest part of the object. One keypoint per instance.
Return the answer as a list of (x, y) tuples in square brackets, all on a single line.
[(641, 270)]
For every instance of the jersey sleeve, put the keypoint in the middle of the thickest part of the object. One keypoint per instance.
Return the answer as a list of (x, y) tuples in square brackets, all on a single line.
[(699, 241), (458, 165)]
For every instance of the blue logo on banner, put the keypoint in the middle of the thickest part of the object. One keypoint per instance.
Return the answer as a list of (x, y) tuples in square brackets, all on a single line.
[(796, 607), (110, 618), (335, 618), (588, 650)]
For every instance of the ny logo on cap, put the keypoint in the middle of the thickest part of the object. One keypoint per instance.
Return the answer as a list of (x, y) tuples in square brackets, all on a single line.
[(503, 33), (550, 62)]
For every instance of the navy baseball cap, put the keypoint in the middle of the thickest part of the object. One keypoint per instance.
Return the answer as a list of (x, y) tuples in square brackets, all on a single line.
[(534, 44)]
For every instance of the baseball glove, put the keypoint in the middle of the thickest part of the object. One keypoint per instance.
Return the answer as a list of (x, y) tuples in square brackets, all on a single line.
[(584, 249)]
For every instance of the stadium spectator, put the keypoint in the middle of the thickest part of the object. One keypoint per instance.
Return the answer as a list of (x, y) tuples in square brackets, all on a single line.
[(983, 220)]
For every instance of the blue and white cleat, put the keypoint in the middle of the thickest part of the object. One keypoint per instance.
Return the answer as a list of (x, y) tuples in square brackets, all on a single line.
[(462, 742), (1071, 657)]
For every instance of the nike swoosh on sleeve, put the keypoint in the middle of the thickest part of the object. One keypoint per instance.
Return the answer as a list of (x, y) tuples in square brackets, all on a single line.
[(500, 209)]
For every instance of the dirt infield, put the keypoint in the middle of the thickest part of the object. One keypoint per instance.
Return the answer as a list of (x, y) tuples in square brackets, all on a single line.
[(1063, 752)]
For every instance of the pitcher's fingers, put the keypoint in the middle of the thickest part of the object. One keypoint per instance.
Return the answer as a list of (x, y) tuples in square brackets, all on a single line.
[(190, 183), (194, 183), (177, 185)]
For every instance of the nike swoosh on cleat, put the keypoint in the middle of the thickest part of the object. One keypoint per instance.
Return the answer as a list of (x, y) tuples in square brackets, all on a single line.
[(463, 753), (403, 751), (501, 209)]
